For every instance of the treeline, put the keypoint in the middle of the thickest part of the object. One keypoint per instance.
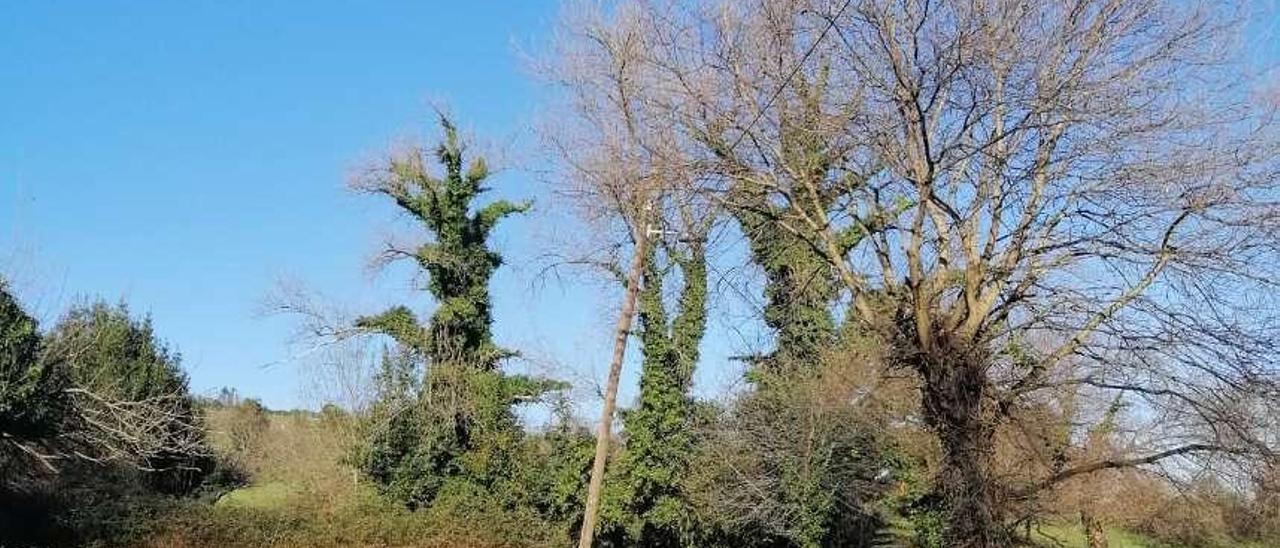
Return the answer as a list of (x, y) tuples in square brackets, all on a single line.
[(795, 462), (1006, 250)]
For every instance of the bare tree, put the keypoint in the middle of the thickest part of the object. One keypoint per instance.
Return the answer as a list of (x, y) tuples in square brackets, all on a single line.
[(336, 358), (1016, 195), (624, 171), (140, 432)]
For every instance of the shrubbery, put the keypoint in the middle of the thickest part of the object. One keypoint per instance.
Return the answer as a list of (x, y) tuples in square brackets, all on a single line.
[(97, 425), (131, 396)]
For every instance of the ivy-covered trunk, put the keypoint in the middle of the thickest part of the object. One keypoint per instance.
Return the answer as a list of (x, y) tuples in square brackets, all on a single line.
[(460, 425), (954, 390), (648, 507), (799, 284)]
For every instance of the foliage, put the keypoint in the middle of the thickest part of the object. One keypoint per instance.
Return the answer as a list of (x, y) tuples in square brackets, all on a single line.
[(796, 465), (1098, 182), (443, 423), (1021, 220), (301, 493), (132, 397), (914, 501), (800, 287), (557, 482), (237, 428), (458, 262), (368, 520), (126, 433), (119, 355), (33, 406), (645, 505), (32, 398)]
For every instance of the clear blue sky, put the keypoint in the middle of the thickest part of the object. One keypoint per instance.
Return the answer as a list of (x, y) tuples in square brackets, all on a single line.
[(183, 156)]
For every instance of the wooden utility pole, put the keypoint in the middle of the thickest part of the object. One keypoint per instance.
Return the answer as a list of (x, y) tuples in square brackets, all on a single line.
[(621, 333)]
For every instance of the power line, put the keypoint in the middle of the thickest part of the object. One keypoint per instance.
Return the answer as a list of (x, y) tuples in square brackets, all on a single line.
[(831, 23)]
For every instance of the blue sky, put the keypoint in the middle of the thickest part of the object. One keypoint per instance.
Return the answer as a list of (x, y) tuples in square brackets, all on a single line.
[(184, 156)]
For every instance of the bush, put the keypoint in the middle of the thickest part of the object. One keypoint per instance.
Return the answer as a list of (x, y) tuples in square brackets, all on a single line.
[(106, 402), (796, 464), (131, 397), (302, 494)]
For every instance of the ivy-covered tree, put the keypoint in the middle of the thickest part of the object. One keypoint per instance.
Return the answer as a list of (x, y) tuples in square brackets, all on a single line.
[(645, 504), (460, 424), (800, 287)]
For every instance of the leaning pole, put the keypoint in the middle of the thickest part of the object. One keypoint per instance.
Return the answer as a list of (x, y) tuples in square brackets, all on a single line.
[(620, 336)]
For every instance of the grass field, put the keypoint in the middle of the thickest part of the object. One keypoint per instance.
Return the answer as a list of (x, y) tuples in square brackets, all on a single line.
[(269, 496), (1073, 537), (1066, 536)]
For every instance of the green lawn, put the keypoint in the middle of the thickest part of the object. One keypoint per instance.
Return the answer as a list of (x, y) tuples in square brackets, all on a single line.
[(267, 496), (1073, 537)]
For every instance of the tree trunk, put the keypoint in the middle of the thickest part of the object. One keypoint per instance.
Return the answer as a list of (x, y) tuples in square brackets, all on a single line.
[(1094, 534), (954, 388)]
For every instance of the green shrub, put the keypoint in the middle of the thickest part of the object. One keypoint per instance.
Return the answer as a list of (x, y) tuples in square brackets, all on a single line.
[(131, 397)]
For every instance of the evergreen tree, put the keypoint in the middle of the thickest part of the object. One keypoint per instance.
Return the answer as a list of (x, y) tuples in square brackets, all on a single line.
[(32, 398), (116, 354)]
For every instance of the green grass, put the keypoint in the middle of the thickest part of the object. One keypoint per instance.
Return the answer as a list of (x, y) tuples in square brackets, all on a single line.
[(1073, 537), (267, 496)]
